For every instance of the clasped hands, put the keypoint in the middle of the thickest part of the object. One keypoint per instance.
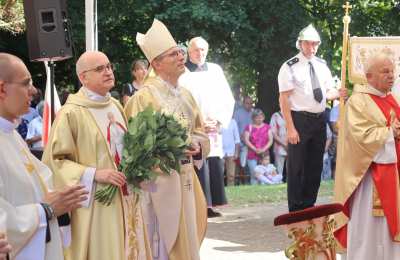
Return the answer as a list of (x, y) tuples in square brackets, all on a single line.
[(211, 125)]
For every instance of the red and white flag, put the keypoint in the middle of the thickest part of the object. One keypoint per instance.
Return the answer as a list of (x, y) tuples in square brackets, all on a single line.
[(47, 107)]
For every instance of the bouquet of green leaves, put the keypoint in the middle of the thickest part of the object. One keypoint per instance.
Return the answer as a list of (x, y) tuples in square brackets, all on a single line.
[(153, 140)]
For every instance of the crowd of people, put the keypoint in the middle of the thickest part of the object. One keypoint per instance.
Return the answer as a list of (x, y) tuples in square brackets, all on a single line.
[(50, 206)]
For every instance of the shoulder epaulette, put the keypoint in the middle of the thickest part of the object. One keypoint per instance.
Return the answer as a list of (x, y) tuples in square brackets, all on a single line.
[(320, 60), (292, 61)]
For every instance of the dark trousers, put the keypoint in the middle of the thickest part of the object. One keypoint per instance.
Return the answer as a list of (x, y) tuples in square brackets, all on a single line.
[(211, 176), (305, 161), (204, 177), (217, 187)]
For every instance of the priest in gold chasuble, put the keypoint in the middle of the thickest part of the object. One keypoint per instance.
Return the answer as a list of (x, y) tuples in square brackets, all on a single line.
[(367, 172), (174, 206), (84, 147)]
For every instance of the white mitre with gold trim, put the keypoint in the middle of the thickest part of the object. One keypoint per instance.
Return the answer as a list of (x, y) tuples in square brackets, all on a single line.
[(156, 41)]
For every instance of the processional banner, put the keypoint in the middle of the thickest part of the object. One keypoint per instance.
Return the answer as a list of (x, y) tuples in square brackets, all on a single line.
[(363, 47)]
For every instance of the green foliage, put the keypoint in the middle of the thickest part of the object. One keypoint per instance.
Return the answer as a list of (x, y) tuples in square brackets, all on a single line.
[(244, 195), (12, 16), (153, 140), (250, 39)]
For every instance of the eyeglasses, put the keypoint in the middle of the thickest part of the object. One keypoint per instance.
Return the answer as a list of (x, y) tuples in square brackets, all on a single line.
[(174, 53), (101, 68), (26, 83)]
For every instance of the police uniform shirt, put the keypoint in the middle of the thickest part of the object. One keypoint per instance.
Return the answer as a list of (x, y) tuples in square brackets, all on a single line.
[(295, 75)]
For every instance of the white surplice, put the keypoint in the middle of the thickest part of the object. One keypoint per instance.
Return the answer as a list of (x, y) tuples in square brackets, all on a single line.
[(23, 182), (214, 97)]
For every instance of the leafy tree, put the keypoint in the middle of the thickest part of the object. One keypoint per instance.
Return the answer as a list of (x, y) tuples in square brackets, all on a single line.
[(250, 39), (12, 16)]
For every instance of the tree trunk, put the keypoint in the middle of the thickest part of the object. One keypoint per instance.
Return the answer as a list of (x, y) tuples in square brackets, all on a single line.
[(268, 95)]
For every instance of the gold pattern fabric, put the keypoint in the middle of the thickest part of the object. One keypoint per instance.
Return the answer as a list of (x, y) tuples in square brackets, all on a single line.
[(76, 142), (179, 203), (362, 135), (312, 240)]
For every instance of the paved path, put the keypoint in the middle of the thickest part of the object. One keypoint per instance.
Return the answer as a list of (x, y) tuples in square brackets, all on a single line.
[(247, 233)]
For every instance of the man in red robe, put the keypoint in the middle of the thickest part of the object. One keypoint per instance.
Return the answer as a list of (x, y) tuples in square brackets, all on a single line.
[(367, 179)]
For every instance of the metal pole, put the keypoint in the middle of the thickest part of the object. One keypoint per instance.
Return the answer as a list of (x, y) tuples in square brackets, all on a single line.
[(52, 112), (91, 25)]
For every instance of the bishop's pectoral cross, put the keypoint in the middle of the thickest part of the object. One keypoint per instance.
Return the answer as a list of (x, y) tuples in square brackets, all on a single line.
[(188, 185), (183, 120)]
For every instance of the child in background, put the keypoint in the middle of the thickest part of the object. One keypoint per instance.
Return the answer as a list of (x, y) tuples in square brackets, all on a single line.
[(266, 172)]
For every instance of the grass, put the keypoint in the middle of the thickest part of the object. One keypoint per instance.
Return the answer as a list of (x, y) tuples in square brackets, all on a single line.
[(249, 195)]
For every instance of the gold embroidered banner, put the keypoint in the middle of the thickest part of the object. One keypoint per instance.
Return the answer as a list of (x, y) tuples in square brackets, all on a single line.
[(362, 47)]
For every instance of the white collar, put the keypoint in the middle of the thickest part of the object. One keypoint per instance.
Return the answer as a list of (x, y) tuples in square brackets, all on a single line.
[(175, 90), (7, 126), (376, 92), (305, 59), (95, 96)]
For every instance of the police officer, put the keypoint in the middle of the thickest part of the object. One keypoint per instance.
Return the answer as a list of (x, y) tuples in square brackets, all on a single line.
[(305, 83)]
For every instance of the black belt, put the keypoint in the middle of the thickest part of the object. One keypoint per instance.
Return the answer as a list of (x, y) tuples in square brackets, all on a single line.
[(185, 161), (309, 114)]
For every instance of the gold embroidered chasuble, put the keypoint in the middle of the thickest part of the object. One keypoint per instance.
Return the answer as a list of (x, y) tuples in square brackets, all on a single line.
[(363, 134), (24, 180), (78, 140), (178, 201)]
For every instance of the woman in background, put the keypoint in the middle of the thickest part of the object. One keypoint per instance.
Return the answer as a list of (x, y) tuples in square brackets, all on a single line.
[(258, 138), (139, 72)]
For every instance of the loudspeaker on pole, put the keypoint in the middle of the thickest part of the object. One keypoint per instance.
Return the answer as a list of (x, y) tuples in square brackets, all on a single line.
[(48, 32)]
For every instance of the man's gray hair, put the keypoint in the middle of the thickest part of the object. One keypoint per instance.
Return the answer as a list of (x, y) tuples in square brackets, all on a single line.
[(376, 57), (196, 40)]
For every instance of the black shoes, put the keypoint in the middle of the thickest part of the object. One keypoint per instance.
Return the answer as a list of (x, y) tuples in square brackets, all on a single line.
[(213, 214)]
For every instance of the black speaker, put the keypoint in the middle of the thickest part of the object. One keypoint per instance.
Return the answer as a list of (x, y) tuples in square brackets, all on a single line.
[(47, 30)]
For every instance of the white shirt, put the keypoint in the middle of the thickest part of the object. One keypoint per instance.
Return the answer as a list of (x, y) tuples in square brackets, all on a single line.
[(230, 137), (296, 77), (278, 126), (35, 128), (211, 91), (30, 115), (213, 96), (334, 114)]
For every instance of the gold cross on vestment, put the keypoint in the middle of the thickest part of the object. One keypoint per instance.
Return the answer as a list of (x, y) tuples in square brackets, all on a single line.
[(29, 167), (188, 185), (347, 6)]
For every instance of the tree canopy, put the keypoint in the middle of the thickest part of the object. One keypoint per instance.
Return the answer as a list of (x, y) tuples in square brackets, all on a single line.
[(249, 39)]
